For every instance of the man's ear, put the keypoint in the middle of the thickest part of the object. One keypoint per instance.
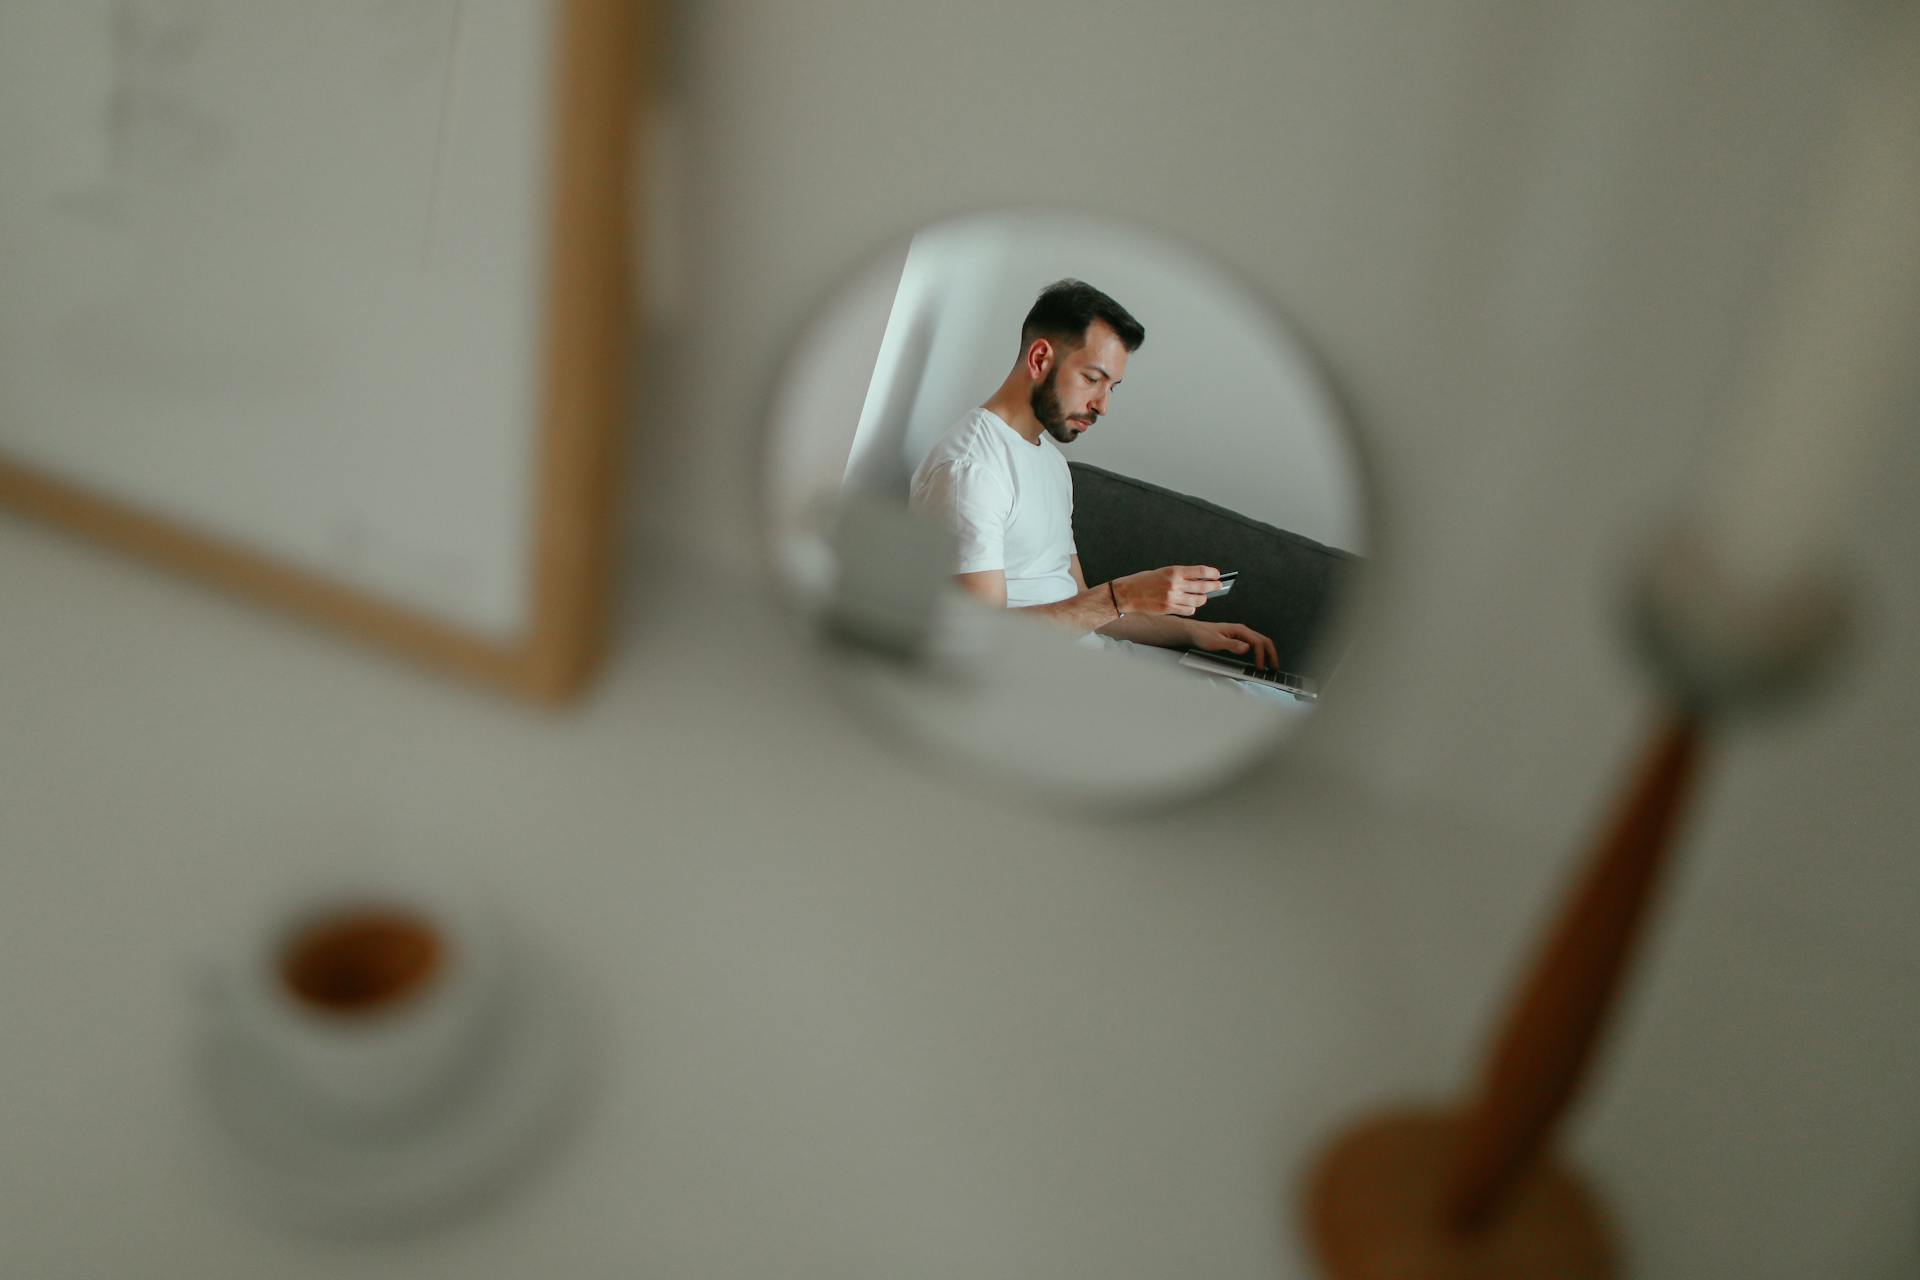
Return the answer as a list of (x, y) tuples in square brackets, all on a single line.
[(1039, 358)]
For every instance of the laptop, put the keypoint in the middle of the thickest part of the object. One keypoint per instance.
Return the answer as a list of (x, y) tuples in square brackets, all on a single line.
[(1234, 668)]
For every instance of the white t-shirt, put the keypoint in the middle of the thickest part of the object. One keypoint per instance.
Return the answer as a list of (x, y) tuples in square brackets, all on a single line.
[(1009, 504)]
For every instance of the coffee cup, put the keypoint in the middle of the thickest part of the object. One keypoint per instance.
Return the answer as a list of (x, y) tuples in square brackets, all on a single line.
[(370, 1000)]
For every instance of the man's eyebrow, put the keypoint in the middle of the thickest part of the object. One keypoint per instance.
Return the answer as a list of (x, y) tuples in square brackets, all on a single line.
[(1103, 373)]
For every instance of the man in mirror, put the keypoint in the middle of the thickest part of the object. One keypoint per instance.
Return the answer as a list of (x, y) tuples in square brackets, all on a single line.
[(1007, 495)]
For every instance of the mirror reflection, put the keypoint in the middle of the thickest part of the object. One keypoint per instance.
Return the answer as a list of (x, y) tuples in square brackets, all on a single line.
[(1082, 488)]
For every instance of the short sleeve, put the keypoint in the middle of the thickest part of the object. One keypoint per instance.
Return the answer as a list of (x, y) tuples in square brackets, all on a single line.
[(975, 505)]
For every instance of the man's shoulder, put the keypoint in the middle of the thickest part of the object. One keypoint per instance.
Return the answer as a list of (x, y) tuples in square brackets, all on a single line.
[(969, 444), (972, 436)]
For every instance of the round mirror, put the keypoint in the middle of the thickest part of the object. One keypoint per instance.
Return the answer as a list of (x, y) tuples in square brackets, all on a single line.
[(1071, 503)]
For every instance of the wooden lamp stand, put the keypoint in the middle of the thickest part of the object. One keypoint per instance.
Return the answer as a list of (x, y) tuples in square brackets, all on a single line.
[(1475, 1192)]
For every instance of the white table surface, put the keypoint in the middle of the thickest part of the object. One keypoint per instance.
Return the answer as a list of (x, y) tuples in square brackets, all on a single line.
[(848, 1022)]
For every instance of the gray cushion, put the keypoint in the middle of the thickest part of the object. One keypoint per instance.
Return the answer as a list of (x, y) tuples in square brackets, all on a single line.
[(1288, 585)]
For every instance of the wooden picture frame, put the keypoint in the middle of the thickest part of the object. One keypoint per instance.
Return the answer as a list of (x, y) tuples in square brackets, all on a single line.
[(582, 374)]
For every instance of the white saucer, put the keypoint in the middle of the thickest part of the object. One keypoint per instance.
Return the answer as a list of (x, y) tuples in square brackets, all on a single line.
[(309, 1167)]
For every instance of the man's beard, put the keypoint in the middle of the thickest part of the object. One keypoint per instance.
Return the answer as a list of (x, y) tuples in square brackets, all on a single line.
[(1045, 403)]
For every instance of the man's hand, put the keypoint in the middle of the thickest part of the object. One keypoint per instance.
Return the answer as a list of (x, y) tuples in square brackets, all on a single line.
[(1232, 637), (1177, 589)]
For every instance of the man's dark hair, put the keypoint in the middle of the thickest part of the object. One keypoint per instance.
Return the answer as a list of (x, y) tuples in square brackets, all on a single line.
[(1065, 308)]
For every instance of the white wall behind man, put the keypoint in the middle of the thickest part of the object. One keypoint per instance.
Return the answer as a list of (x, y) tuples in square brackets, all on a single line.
[(920, 368), (1219, 402), (822, 391)]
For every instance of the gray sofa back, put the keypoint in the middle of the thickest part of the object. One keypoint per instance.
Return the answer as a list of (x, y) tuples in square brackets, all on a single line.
[(1288, 584)]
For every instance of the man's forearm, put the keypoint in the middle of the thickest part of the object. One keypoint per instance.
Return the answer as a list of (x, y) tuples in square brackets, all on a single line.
[(1163, 630), (1091, 610)]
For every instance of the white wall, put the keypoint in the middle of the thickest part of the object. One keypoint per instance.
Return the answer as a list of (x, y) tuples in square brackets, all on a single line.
[(1220, 402), (924, 377), (825, 396)]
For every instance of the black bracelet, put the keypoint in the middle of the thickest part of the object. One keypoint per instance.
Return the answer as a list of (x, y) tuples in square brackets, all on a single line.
[(1117, 615)]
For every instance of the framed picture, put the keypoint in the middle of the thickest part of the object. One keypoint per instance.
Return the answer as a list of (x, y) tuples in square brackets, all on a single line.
[(327, 304)]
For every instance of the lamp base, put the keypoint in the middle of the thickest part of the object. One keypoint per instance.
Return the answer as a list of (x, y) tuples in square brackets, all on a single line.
[(1374, 1212)]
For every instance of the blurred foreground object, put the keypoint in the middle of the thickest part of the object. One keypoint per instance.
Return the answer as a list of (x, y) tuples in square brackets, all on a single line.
[(328, 305), (1744, 605)]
